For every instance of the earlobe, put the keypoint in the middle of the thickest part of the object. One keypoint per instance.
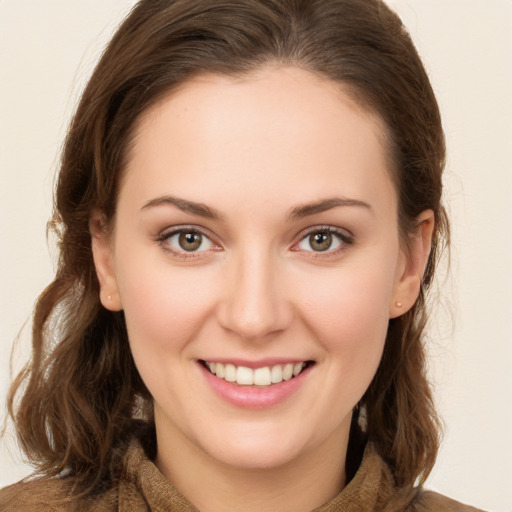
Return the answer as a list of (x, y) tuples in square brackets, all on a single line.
[(103, 261), (412, 266)]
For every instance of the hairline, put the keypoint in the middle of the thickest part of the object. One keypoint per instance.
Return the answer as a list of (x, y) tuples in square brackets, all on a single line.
[(356, 97)]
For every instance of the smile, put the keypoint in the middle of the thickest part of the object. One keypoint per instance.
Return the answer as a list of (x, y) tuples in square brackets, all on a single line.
[(264, 376)]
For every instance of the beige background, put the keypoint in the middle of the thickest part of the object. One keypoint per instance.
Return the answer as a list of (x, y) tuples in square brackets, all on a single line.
[(47, 50)]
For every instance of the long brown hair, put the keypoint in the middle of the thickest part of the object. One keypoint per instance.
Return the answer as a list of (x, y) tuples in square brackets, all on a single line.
[(75, 404)]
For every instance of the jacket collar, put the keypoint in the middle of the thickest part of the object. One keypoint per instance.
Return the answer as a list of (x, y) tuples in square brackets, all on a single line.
[(143, 487)]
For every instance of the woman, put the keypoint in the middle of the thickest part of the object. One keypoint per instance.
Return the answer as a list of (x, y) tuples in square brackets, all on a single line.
[(249, 206)]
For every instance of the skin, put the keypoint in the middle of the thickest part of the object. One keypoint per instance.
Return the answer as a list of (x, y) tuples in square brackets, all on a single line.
[(254, 151)]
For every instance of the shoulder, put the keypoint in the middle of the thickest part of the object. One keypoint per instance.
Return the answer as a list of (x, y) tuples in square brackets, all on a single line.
[(43, 495), (429, 501), (51, 495)]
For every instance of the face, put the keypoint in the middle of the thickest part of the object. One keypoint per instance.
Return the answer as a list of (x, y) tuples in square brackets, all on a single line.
[(256, 256)]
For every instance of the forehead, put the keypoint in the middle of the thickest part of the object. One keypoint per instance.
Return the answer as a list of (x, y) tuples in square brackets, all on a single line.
[(274, 128), (289, 90)]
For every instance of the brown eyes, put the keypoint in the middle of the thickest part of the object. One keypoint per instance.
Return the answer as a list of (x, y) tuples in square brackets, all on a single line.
[(193, 242), (190, 240), (327, 240), (182, 241), (320, 241)]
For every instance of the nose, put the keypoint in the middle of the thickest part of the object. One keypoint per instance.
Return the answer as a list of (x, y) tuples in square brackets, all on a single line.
[(255, 304)]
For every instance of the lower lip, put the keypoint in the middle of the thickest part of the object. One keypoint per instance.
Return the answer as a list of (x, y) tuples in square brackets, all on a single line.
[(250, 397)]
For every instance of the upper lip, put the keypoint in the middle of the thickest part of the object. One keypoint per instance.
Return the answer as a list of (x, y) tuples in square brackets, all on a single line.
[(261, 363)]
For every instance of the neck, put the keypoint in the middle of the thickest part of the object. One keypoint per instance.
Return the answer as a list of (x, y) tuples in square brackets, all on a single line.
[(310, 480)]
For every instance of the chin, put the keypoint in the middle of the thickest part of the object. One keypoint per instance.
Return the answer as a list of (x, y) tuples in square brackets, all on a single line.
[(251, 458), (256, 448)]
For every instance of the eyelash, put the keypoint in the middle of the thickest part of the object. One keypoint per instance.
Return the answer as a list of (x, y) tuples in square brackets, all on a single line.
[(164, 238), (344, 238)]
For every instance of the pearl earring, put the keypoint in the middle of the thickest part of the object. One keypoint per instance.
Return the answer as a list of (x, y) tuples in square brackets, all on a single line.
[(398, 304)]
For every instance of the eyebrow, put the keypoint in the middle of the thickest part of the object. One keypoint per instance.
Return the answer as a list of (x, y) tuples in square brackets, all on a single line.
[(185, 206), (298, 212), (305, 210)]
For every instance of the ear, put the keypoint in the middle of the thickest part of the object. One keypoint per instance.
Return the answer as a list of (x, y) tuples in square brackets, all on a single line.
[(411, 267), (103, 255)]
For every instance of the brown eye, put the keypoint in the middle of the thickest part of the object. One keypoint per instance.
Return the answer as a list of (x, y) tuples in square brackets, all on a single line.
[(190, 240), (187, 242), (321, 241), (324, 240)]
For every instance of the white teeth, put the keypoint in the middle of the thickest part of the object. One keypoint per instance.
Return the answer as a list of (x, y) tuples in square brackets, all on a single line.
[(288, 371), (244, 376), (229, 372), (264, 376), (276, 375), (297, 369)]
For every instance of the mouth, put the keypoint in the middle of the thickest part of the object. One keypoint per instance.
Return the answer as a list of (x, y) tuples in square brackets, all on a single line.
[(264, 376)]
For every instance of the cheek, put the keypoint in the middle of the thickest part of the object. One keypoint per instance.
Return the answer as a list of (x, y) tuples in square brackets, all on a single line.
[(349, 315), (164, 306), (353, 301)]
